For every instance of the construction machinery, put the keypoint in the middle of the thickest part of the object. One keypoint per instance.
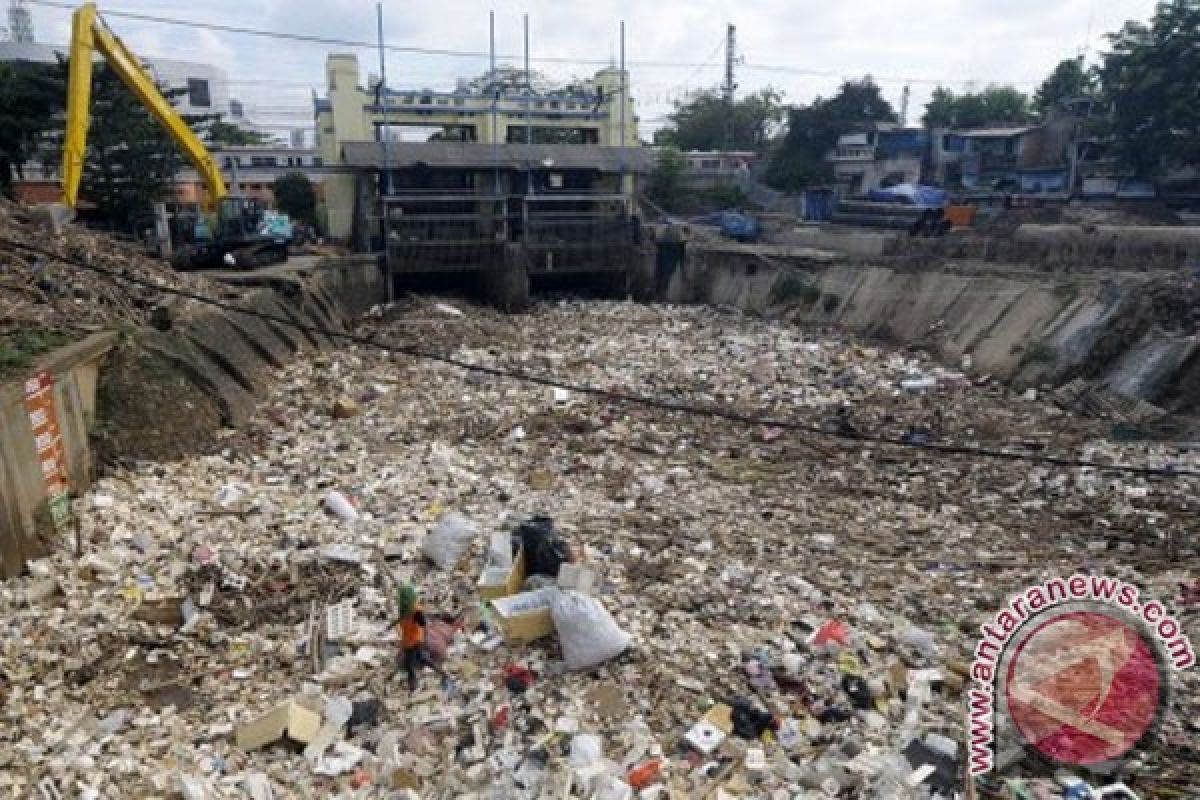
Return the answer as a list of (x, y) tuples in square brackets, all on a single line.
[(232, 227)]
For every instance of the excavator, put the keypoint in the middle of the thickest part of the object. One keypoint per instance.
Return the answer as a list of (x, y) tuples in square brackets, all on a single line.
[(235, 223)]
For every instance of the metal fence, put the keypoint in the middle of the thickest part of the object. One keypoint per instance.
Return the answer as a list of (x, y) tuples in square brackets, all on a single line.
[(577, 233)]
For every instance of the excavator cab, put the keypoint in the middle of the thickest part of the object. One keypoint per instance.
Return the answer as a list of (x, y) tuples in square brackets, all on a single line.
[(234, 237), (238, 217)]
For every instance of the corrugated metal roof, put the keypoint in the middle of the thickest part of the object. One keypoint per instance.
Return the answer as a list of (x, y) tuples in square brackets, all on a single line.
[(473, 155), (996, 133)]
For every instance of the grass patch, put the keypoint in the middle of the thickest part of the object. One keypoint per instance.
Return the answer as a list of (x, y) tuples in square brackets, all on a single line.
[(19, 349)]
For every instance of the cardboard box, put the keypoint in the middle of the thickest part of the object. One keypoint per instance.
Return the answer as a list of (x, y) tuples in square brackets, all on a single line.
[(290, 721), (526, 616), (496, 582)]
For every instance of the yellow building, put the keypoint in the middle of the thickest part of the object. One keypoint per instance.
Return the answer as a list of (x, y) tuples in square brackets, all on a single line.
[(596, 115)]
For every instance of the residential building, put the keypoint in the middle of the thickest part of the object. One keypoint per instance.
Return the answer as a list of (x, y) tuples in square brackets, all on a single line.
[(884, 155), (714, 169)]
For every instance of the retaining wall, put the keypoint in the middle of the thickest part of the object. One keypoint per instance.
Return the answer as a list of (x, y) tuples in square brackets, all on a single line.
[(1027, 328), (161, 394)]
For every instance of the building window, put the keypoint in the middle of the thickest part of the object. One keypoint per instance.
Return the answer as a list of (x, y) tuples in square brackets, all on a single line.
[(198, 95), (316, 162), (458, 101), (443, 101), (263, 161), (236, 109), (408, 100)]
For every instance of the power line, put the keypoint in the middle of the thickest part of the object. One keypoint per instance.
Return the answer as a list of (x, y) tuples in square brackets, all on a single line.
[(452, 53), (712, 412)]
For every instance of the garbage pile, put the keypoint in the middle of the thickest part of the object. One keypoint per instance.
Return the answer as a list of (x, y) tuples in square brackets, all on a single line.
[(39, 292), (624, 602)]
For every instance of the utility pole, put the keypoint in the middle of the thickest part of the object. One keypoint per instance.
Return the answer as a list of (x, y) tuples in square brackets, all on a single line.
[(494, 88), (623, 99), (904, 98), (385, 183), (729, 87), (528, 119)]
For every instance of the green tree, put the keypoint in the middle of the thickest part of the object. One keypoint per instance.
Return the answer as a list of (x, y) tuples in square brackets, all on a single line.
[(1068, 80), (295, 196), (131, 161), (31, 100), (1150, 80), (227, 134), (994, 106), (702, 123), (666, 179), (813, 131)]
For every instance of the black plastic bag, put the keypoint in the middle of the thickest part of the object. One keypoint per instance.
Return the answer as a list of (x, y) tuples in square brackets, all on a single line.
[(545, 550), (750, 722)]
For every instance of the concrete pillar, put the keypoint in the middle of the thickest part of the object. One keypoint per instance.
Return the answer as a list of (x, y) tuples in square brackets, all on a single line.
[(508, 288)]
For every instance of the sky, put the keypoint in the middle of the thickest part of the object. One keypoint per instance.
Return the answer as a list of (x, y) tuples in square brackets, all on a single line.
[(800, 47)]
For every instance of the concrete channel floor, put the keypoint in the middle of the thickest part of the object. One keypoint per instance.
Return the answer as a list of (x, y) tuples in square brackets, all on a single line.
[(724, 550)]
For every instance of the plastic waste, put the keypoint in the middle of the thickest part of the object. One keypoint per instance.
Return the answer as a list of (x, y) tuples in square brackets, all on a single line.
[(545, 550), (587, 633), (448, 540), (586, 749), (340, 506)]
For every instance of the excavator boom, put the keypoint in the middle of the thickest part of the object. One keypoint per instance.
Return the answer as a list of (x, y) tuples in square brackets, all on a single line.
[(89, 34)]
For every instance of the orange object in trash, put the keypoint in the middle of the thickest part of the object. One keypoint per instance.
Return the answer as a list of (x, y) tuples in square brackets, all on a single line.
[(960, 216), (642, 776), (832, 631), (361, 778)]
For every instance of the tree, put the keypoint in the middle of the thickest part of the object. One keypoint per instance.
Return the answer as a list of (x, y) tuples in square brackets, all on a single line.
[(994, 106), (131, 161), (666, 179), (31, 99), (227, 134), (1149, 79), (702, 123), (1068, 80), (295, 196), (813, 131)]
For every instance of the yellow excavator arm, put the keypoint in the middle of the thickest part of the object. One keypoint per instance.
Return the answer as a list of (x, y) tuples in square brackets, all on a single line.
[(88, 34)]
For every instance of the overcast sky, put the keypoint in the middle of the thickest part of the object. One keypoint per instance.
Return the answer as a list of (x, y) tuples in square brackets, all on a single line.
[(803, 48)]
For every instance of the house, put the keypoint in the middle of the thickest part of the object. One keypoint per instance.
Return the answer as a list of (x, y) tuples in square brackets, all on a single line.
[(714, 169), (885, 155)]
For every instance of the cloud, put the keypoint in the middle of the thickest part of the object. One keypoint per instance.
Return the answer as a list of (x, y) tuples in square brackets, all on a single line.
[(953, 41)]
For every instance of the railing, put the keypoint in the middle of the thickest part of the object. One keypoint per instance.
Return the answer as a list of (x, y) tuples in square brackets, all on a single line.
[(577, 233)]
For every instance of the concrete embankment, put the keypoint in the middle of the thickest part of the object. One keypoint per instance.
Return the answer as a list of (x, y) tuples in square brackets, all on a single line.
[(1131, 334), (166, 392)]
